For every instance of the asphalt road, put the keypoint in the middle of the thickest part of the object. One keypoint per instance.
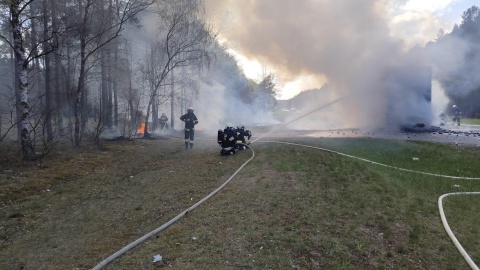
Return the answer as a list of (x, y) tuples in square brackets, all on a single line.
[(462, 135)]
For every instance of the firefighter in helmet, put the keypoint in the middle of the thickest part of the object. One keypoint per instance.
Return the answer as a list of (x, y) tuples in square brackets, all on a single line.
[(228, 140), (241, 134), (456, 115), (163, 122), (190, 120)]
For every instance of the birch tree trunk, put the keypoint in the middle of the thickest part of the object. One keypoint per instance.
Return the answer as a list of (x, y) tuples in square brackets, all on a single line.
[(22, 65)]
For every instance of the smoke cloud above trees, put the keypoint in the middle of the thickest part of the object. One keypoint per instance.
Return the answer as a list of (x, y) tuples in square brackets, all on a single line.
[(348, 43)]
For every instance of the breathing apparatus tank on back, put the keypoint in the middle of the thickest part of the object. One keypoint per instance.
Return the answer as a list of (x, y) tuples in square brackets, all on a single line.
[(219, 137), (228, 140)]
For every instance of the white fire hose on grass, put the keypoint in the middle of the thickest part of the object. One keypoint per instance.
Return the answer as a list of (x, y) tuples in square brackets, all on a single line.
[(442, 214), (440, 206), (449, 231), (169, 223), (376, 163), (440, 199), (142, 239)]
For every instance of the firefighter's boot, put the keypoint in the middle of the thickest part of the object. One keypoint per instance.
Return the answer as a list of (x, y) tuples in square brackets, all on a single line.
[(186, 145), (191, 145)]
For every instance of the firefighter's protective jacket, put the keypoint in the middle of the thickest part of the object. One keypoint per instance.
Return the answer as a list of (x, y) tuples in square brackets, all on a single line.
[(190, 120), (229, 138), (163, 119), (242, 133), (456, 113)]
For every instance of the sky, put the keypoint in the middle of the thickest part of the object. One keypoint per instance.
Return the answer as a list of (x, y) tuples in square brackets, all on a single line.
[(311, 42)]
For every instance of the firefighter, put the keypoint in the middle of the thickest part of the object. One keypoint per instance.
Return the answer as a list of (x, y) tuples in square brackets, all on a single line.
[(247, 133), (228, 141), (190, 120), (241, 134), (443, 118), (456, 115), (163, 122)]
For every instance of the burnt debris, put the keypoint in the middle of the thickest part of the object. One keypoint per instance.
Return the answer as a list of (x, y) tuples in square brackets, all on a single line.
[(437, 130)]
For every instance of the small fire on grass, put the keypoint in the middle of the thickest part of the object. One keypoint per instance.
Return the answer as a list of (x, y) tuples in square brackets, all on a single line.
[(141, 129)]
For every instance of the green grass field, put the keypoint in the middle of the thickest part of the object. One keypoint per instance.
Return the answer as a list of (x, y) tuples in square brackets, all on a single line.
[(292, 207), (470, 121)]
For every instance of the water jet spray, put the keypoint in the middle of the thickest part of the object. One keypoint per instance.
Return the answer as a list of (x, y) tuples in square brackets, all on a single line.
[(302, 116)]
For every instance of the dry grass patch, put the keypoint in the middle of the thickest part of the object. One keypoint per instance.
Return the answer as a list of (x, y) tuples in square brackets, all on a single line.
[(99, 200)]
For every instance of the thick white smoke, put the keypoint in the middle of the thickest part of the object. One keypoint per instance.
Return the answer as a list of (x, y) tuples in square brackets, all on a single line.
[(347, 42), (439, 101), (217, 107)]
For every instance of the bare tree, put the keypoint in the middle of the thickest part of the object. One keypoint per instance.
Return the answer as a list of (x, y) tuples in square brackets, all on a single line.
[(184, 40), (17, 10), (87, 52), (93, 36)]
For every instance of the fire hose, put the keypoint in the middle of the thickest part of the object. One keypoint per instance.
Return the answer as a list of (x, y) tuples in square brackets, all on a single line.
[(440, 199), (172, 221), (142, 239), (374, 162), (449, 231)]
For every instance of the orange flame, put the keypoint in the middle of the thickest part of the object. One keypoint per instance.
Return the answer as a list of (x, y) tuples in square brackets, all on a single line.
[(141, 129)]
